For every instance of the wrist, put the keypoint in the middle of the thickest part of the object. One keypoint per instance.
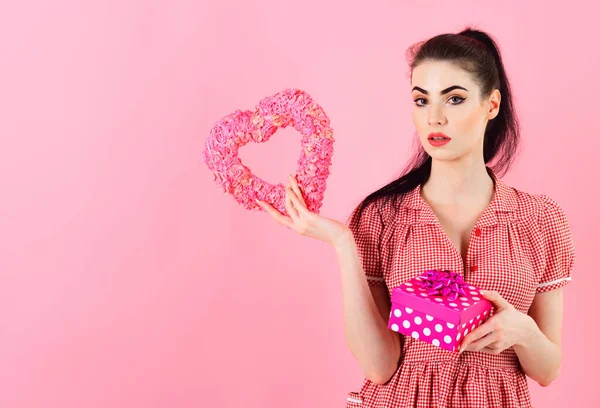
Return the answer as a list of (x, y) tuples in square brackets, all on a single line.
[(343, 239), (527, 332)]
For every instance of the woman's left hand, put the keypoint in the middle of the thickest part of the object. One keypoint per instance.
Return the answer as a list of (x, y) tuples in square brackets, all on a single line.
[(506, 328)]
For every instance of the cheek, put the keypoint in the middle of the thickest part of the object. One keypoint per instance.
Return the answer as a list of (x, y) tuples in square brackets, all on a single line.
[(464, 120), (470, 126), (470, 119), (419, 118)]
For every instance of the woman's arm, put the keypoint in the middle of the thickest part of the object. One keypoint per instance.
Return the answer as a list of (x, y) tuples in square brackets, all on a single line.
[(535, 337), (366, 310), (376, 348), (540, 351)]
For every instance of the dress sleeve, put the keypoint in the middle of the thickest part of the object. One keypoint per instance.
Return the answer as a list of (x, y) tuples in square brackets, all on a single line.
[(558, 247), (367, 235)]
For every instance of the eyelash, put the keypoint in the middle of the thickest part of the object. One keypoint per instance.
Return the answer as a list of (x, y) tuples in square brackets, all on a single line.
[(460, 100)]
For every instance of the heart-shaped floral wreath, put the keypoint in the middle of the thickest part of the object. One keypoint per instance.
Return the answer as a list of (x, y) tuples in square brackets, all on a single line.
[(289, 107)]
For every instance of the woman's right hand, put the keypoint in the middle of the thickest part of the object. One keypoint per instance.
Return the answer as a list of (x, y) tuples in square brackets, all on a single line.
[(304, 221)]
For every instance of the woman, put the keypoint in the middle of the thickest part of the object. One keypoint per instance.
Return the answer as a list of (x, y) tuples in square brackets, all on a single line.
[(450, 210)]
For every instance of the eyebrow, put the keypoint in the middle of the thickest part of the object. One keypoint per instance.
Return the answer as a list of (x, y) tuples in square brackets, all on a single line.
[(444, 91)]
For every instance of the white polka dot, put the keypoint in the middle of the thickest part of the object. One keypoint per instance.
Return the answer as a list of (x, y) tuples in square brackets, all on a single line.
[(478, 317), (426, 331), (418, 320), (406, 324), (410, 290), (436, 342), (422, 289), (450, 325), (458, 336), (474, 293), (423, 294), (472, 327), (395, 327), (438, 328), (397, 313), (408, 284), (480, 323), (476, 298), (408, 310), (470, 321), (453, 304), (448, 339), (485, 313), (415, 335), (463, 298), (430, 318), (472, 287), (439, 299), (465, 332), (464, 325), (466, 304)]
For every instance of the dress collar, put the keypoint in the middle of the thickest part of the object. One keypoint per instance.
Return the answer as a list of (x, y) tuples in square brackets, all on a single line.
[(502, 207)]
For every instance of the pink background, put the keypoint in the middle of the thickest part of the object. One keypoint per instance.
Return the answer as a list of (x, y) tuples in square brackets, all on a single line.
[(128, 280)]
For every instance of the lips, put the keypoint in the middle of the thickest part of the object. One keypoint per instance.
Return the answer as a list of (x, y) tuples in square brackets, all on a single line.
[(438, 139), (438, 136)]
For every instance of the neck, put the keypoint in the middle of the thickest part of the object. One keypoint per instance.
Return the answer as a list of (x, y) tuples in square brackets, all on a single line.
[(456, 183)]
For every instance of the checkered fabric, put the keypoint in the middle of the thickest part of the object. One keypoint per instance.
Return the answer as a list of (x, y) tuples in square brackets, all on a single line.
[(521, 245)]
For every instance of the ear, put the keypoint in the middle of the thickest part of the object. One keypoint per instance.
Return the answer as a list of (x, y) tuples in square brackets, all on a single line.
[(494, 104)]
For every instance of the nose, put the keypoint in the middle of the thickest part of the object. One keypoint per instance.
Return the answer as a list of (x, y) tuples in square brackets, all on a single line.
[(435, 116)]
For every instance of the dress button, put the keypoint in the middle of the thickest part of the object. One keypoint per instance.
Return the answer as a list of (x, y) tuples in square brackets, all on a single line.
[(474, 268), (478, 231)]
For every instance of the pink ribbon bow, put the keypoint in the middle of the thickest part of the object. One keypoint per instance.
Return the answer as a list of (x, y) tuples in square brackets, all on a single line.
[(445, 283)]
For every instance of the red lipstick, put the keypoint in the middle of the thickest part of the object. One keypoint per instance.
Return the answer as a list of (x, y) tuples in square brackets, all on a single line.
[(438, 139)]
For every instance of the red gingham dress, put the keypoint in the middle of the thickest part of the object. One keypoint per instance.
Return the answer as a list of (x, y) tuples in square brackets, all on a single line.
[(521, 245)]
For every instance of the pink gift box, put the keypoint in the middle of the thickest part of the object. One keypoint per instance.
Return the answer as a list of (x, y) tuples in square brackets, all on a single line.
[(438, 307)]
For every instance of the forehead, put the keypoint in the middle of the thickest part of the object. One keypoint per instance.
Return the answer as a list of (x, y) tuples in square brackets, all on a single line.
[(437, 75)]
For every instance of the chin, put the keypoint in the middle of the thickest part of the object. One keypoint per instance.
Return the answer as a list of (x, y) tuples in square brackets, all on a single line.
[(445, 156), (439, 154)]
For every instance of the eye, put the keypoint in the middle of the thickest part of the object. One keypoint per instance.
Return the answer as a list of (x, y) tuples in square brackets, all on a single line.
[(455, 100), (458, 99), (420, 99)]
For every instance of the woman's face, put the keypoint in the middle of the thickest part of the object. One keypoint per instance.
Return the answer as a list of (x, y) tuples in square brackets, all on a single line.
[(448, 101)]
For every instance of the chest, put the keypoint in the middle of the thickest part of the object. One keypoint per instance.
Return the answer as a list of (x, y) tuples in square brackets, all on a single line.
[(496, 254), (457, 224)]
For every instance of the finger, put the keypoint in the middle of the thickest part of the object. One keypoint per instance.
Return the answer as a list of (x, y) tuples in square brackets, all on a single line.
[(289, 206), (496, 299), (296, 190), (483, 342), (496, 347), (301, 208), (279, 217), (476, 334)]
